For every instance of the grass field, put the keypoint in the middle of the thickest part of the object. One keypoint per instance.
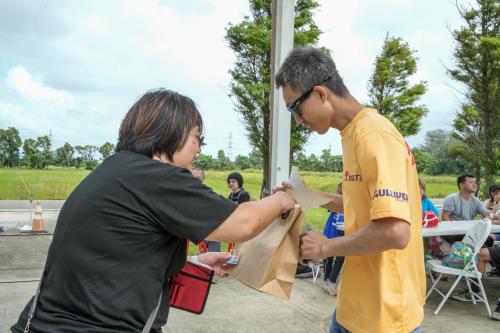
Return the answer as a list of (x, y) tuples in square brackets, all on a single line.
[(57, 183)]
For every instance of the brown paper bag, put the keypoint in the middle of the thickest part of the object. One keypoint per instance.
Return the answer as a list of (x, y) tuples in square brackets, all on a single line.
[(269, 261)]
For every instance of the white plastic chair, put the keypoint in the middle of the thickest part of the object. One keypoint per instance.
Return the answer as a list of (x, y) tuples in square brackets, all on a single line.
[(476, 236)]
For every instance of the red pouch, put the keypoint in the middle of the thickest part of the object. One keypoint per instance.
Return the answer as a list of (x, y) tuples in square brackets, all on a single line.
[(189, 288), (429, 219)]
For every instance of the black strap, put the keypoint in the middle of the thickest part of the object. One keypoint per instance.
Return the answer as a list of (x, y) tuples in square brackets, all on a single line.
[(152, 316), (146, 329), (33, 305)]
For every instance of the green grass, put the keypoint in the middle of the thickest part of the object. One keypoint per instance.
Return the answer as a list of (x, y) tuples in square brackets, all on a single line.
[(50, 184), (57, 183)]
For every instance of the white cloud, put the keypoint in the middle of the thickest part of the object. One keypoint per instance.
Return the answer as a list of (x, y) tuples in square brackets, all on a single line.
[(13, 115), (22, 81), (98, 57)]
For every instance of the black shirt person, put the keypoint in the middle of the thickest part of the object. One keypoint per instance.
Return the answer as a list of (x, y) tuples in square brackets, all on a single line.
[(238, 193), (122, 232)]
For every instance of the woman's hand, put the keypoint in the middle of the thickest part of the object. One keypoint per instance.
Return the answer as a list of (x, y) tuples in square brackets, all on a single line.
[(285, 185), (286, 200), (216, 261)]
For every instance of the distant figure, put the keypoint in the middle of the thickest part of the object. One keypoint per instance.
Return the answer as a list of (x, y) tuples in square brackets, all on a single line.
[(492, 204), (462, 205), (238, 193), (432, 245), (206, 245), (333, 265), (198, 173)]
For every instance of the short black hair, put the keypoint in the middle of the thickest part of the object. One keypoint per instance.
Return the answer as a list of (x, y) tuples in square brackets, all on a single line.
[(236, 176), (159, 122), (492, 189), (305, 67), (461, 179)]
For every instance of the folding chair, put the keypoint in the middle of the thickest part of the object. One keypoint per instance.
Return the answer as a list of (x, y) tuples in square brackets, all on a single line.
[(476, 236)]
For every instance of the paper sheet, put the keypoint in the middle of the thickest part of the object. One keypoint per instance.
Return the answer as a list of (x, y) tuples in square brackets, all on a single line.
[(303, 196)]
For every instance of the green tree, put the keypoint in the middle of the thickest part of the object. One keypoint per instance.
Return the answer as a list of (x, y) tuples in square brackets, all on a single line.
[(223, 162), (64, 155), (205, 162), (477, 67), (438, 155), (251, 76), (423, 159), (255, 159), (106, 150), (242, 162), (10, 142), (45, 156), (87, 156), (389, 88), (30, 153)]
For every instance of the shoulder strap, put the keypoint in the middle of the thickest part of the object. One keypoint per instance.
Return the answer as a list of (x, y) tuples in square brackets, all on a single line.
[(152, 316), (33, 305)]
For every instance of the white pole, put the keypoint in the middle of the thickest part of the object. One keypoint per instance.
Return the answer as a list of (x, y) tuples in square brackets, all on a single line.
[(283, 15)]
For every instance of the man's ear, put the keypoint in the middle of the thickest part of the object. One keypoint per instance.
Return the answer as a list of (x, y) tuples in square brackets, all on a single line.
[(322, 92)]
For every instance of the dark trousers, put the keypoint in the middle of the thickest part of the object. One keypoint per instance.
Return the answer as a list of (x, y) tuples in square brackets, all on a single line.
[(332, 267)]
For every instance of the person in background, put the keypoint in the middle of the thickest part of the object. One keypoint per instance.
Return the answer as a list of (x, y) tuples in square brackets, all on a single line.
[(463, 205), (490, 255), (206, 245), (238, 193), (333, 265), (429, 211), (198, 173), (432, 245), (492, 203), (426, 202)]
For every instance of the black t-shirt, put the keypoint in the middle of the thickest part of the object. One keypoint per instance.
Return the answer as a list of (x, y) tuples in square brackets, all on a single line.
[(240, 196), (119, 237)]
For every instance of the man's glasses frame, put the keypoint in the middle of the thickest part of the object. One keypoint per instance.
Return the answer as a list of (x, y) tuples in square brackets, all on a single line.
[(292, 107)]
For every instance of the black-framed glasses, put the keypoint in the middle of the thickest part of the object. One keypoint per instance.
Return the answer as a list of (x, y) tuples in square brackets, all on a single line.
[(201, 140), (292, 107)]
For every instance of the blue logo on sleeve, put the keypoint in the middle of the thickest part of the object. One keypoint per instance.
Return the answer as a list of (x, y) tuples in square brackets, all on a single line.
[(389, 193)]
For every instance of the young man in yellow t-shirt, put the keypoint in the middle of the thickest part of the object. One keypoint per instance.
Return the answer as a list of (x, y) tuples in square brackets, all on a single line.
[(383, 284)]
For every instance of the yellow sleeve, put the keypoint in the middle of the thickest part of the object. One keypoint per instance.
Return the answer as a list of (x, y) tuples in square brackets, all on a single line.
[(384, 163)]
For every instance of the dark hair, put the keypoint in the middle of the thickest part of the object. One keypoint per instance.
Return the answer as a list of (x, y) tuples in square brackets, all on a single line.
[(159, 122), (421, 183), (491, 189), (305, 67), (461, 179), (236, 176)]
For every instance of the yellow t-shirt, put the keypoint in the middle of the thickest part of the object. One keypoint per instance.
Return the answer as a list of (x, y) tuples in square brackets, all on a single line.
[(383, 292)]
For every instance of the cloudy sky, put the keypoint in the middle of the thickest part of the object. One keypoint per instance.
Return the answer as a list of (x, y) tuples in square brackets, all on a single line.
[(73, 68)]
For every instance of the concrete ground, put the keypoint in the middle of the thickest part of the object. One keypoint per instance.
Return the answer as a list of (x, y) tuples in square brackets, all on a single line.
[(231, 307)]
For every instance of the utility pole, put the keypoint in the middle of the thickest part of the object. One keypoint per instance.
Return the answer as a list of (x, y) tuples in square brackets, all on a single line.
[(283, 16), (230, 147)]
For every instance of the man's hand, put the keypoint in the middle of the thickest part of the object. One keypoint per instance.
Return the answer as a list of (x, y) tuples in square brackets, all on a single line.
[(312, 244), (216, 260)]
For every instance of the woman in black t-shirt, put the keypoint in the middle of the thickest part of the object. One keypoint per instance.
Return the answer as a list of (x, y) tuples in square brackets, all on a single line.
[(238, 193), (122, 232)]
